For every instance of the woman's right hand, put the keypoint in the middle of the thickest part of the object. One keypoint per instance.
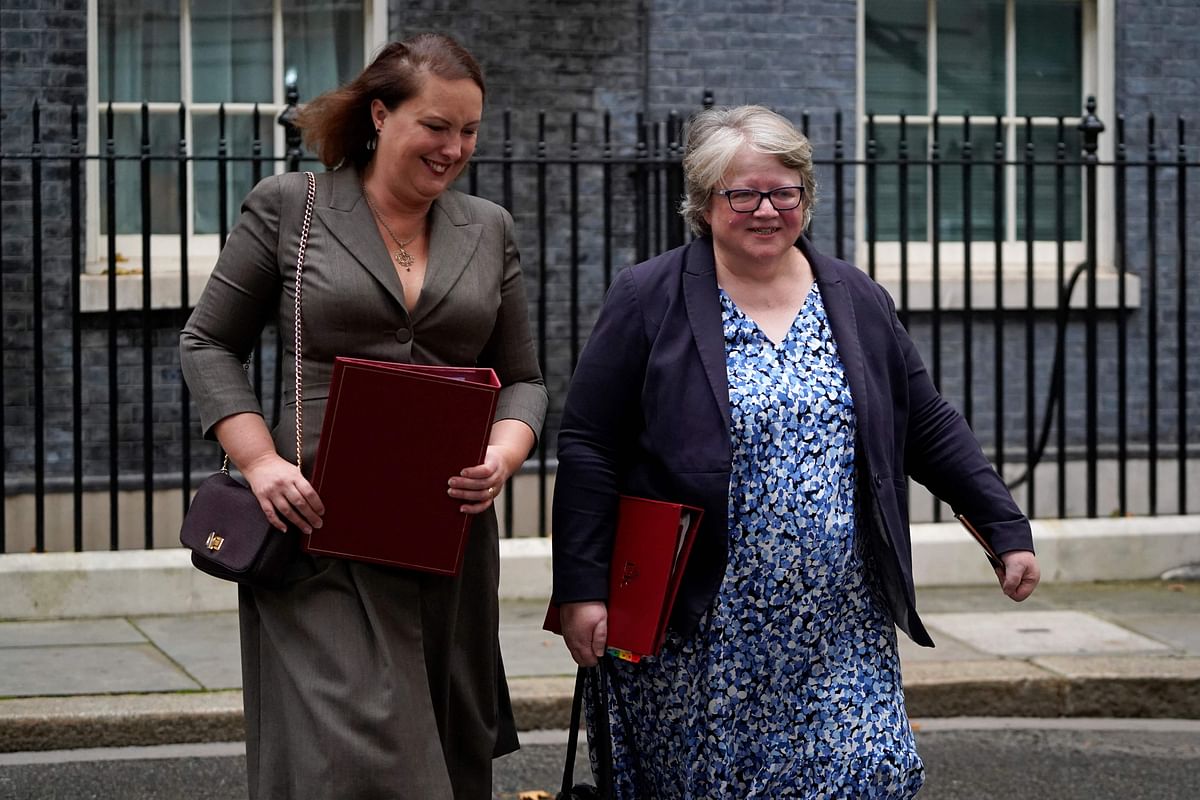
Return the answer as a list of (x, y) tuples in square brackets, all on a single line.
[(283, 493), (585, 630)]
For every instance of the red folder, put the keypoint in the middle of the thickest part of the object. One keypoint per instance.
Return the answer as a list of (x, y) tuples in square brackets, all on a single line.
[(992, 558), (650, 550), (393, 435)]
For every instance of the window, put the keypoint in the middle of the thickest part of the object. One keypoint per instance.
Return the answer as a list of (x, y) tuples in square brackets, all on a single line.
[(203, 56), (986, 81)]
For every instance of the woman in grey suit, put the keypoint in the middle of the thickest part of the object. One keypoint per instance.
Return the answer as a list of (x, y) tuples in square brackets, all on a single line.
[(362, 681)]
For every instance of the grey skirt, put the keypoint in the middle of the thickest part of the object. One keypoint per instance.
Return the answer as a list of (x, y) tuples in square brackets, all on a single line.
[(367, 682)]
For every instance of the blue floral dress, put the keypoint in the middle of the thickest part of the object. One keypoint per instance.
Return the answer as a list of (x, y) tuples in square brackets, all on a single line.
[(790, 687)]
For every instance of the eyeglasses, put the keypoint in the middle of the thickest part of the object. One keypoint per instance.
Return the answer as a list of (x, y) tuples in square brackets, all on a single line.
[(745, 201)]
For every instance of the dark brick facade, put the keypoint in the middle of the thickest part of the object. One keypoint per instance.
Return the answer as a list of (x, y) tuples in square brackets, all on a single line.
[(1157, 72), (43, 58)]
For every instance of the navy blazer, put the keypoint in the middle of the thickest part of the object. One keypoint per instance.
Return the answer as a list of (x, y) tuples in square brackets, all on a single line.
[(647, 414)]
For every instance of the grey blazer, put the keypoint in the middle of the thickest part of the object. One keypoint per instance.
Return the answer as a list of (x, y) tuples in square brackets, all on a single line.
[(471, 311)]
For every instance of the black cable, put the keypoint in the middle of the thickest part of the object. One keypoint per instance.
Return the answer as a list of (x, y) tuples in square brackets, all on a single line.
[(1056, 384)]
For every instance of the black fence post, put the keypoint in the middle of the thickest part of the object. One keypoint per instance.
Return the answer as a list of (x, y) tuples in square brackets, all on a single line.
[(185, 397), (1182, 228), (147, 337), (675, 226), (1091, 127), (287, 118), (77, 161), (39, 371)]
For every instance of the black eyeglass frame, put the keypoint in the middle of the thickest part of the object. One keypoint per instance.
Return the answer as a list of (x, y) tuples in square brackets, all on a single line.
[(767, 195)]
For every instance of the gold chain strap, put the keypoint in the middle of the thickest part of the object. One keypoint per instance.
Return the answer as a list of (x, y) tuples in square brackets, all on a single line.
[(308, 209)]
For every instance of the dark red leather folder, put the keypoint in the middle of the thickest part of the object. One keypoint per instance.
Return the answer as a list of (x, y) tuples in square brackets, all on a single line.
[(393, 435), (650, 550)]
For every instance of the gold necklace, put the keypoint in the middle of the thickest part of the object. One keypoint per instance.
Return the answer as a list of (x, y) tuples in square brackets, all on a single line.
[(403, 257)]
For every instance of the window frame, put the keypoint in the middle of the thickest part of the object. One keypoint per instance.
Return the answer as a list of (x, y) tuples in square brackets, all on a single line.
[(1098, 81), (203, 248)]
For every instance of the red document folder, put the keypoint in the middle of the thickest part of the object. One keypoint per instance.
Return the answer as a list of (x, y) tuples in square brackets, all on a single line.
[(651, 547), (393, 435), (992, 558)]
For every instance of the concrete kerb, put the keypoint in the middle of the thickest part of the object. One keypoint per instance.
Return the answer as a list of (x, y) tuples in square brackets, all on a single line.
[(983, 689), (64, 723)]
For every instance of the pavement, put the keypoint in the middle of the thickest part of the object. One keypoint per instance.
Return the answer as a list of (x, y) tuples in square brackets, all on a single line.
[(126, 674)]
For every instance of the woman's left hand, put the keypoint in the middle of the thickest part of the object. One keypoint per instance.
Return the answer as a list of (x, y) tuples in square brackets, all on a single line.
[(478, 486), (1020, 575)]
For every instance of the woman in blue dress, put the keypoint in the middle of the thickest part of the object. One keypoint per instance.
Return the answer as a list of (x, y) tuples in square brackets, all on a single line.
[(774, 387)]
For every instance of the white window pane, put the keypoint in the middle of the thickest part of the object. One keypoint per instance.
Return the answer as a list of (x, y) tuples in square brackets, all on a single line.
[(897, 55), (162, 191), (241, 143), (323, 43), (1049, 57), (231, 51), (970, 40), (900, 186), (970, 181), (1052, 188), (138, 50)]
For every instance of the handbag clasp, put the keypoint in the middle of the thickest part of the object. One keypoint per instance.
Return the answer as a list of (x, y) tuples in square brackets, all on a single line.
[(214, 542)]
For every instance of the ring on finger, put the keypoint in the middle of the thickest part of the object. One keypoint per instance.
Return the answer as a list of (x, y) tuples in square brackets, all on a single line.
[(491, 491)]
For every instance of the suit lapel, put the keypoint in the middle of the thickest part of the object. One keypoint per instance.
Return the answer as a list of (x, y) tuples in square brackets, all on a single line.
[(349, 219), (839, 308), (701, 298), (453, 239)]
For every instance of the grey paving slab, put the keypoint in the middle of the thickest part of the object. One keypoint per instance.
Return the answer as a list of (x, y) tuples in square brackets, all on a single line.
[(528, 650), (30, 671), (1180, 631), (947, 649), (1123, 597), (68, 632), (529, 653), (206, 646), (963, 599), (1034, 633)]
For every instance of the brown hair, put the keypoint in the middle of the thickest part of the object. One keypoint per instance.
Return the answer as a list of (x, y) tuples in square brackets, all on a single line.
[(337, 125)]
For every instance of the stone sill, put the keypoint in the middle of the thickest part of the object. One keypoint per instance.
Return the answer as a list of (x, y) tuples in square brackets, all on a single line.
[(952, 292), (165, 288)]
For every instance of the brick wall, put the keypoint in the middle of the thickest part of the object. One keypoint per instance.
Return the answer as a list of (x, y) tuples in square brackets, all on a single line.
[(43, 56), (1157, 72)]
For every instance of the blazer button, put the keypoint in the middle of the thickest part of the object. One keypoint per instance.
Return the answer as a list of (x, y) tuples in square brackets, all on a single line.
[(878, 480), (403, 335)]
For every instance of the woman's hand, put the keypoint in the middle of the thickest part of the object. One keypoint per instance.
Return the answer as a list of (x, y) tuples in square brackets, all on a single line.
[(478, 486), (1020, 575), (283, 493), (507, 449), (585, 630)]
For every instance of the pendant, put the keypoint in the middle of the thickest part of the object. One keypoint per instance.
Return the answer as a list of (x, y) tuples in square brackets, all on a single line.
[(404, 259)]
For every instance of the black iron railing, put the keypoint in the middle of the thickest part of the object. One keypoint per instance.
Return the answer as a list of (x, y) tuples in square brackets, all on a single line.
[(1012, 259)]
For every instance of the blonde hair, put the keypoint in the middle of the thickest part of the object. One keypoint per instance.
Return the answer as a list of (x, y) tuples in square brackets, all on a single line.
[(714, 137)]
